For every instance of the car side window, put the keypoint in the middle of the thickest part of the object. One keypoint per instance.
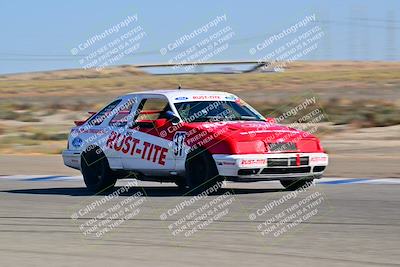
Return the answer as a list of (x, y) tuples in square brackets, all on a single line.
[(120, 119), (152, 109), (104, 113)]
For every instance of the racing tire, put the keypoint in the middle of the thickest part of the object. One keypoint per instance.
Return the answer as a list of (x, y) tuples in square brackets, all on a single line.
[(201, 172), (181, 183), (293, 185), (96, 172)]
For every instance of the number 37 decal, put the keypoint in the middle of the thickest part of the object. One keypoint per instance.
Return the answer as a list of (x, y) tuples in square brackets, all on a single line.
[(179, 142)]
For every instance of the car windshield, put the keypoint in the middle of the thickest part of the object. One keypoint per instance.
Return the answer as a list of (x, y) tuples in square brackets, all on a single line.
[(201, 111)]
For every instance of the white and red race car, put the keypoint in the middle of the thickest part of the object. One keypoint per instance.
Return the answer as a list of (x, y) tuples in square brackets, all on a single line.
[(193, 138)]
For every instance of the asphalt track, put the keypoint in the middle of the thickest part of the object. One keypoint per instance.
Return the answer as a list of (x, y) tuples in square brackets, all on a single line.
[(357, 223)]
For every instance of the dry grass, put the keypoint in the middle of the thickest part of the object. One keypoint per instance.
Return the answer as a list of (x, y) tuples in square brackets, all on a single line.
[(117, 81)]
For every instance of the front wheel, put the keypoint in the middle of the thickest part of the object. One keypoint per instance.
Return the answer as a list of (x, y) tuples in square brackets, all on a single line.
[(96, 172), (296, 184)]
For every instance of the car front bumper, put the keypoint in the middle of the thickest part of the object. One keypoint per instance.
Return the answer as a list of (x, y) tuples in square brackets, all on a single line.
[(264, 167)]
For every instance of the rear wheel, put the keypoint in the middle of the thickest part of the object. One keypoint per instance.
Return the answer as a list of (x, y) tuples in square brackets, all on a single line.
[(201, 172), (296, 184), (96, 171), (180, 182)]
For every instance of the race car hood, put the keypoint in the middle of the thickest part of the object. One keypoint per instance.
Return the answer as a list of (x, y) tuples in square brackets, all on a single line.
[(248, 137)]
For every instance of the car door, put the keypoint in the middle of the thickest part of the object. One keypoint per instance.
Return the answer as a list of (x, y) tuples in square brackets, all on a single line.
[(148, 148), (94, 133)]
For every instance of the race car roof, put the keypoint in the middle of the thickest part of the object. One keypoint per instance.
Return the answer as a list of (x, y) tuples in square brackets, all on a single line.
[(184, 95)]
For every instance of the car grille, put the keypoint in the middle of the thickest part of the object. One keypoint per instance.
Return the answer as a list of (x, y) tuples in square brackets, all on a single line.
[(248, 171), (278, 162), (303, 161), (285, 162), (282, 146), (286, 170)]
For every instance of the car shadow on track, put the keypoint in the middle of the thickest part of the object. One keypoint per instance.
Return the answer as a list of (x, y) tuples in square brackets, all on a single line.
[(150, 191)]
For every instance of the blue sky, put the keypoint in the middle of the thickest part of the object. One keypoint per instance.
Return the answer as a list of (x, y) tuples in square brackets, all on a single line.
[(38, 35)]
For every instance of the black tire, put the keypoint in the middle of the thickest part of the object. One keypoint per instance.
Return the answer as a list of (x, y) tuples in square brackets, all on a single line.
[(201, 172), (296, 184), (181, 183), (96, 171)]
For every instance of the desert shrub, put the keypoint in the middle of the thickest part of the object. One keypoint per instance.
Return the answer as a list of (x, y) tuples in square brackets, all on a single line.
[(363, 113), (17, 116), (27, 117), (48, 136), (371, 113), (8, 115)]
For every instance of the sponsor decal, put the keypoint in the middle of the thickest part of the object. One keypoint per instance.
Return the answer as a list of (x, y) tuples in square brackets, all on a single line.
[(181, 98), (240, 101), (133, 146), (179, 142), (253, 162), (317, 160), (230, 97), (82, 131), (206, 97), (77, 142)]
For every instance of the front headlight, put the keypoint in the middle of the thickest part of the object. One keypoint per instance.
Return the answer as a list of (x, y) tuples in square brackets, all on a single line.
[(309, 145), (248, 147)]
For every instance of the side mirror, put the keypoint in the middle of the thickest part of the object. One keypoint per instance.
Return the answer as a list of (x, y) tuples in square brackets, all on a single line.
[(172, 117)]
